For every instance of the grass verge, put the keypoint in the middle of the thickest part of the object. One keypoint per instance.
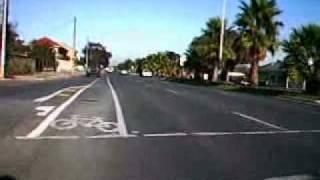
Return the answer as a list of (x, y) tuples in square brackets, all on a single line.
[(260, 91)]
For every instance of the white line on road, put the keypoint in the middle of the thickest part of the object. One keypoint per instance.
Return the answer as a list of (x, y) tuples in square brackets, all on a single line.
[(195, 134), (255, 133), (46, 122), (47, 137), (259, 121), (52, 95), (172, 91), (110, 136), (165, 135), (44, 110), (119, 113)]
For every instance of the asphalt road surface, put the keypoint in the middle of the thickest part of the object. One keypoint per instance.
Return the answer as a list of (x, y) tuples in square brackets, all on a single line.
[(127, 127)]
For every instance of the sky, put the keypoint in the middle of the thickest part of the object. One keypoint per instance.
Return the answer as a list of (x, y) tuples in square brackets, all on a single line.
[(135, 28)]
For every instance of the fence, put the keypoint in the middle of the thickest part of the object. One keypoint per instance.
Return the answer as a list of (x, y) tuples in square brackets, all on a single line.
[(21, 65)]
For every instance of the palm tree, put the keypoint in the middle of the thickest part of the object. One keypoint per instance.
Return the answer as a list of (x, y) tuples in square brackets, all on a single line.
[(259, 28), (304, 44), (207, 45)]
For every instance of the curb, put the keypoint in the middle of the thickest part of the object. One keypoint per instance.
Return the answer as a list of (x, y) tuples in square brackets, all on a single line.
[(312, 103)]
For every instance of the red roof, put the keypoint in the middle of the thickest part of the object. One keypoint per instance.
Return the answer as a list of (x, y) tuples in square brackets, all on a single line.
[(45, 41)]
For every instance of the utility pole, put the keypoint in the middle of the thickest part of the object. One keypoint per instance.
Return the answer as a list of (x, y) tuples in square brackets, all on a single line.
[(74, 44), (224, 6), (4, 37), (87, 54)]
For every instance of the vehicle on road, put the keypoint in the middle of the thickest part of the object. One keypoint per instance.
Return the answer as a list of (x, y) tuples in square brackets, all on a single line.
[(97, 59), (93, 71), (109, 69), (124, 72), (146, 74)]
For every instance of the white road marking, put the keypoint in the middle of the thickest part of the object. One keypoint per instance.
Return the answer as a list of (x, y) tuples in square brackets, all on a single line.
[(47, 137), (50, 96), (46, 122), (255, 133), (135, 132), (259, 121), (111, 136), (172, 91), (119, 113), (195, 134), (86, 122), (64, 95), (297, 177), (165, 135), (44, 110)]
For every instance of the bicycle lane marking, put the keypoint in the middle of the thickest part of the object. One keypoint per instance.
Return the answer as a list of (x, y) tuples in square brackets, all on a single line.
[(75, 121), (51, 117)]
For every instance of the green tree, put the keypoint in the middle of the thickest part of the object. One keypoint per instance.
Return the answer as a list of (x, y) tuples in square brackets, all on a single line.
[(43, 55), (259, 28), (303, 45), (15, 47), (207, 45), (206, 48)]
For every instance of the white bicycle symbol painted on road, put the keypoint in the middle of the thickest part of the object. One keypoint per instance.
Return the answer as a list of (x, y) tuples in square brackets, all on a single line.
[(86, 122)]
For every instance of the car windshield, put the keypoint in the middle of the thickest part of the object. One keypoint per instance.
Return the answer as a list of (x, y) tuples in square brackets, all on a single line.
[(159, 90)]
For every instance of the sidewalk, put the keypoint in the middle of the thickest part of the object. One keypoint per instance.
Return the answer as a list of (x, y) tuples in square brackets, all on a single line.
[(44, 76)]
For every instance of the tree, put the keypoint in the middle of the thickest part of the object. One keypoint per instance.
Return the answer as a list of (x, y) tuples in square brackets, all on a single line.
[(206, 48), (207, 45), (259, 28), (43, 55), (303, 45), (161, 63), (15, 47), (193, 62), (127, 65)]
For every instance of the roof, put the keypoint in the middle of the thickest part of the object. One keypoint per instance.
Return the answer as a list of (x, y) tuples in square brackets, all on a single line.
[(272, 67), (45, 41)]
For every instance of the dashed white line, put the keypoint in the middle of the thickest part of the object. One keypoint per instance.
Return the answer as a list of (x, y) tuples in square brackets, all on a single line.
[(44, 110), (110, 136), (50, 96), (46, 122), (259, 121), (119, 113), (47, 137), (172, 91), (165, 135)]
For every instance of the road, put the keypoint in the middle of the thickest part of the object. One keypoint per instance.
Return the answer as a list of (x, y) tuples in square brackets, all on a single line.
[(127, 127)]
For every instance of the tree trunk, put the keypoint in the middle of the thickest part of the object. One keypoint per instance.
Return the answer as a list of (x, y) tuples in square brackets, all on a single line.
[(254, 74), (215, 74)]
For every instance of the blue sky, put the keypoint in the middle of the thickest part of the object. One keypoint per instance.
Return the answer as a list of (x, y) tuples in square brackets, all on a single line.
[(134, 28)]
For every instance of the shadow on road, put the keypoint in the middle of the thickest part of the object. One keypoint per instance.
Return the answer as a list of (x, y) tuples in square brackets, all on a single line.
[(7, 177)]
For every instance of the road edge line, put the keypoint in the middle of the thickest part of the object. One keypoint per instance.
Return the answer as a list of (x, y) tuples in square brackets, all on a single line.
[(119, 113), (51, 117)]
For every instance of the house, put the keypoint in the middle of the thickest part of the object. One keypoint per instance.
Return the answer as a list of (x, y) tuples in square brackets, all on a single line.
[(64, 54), (273, 74)]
